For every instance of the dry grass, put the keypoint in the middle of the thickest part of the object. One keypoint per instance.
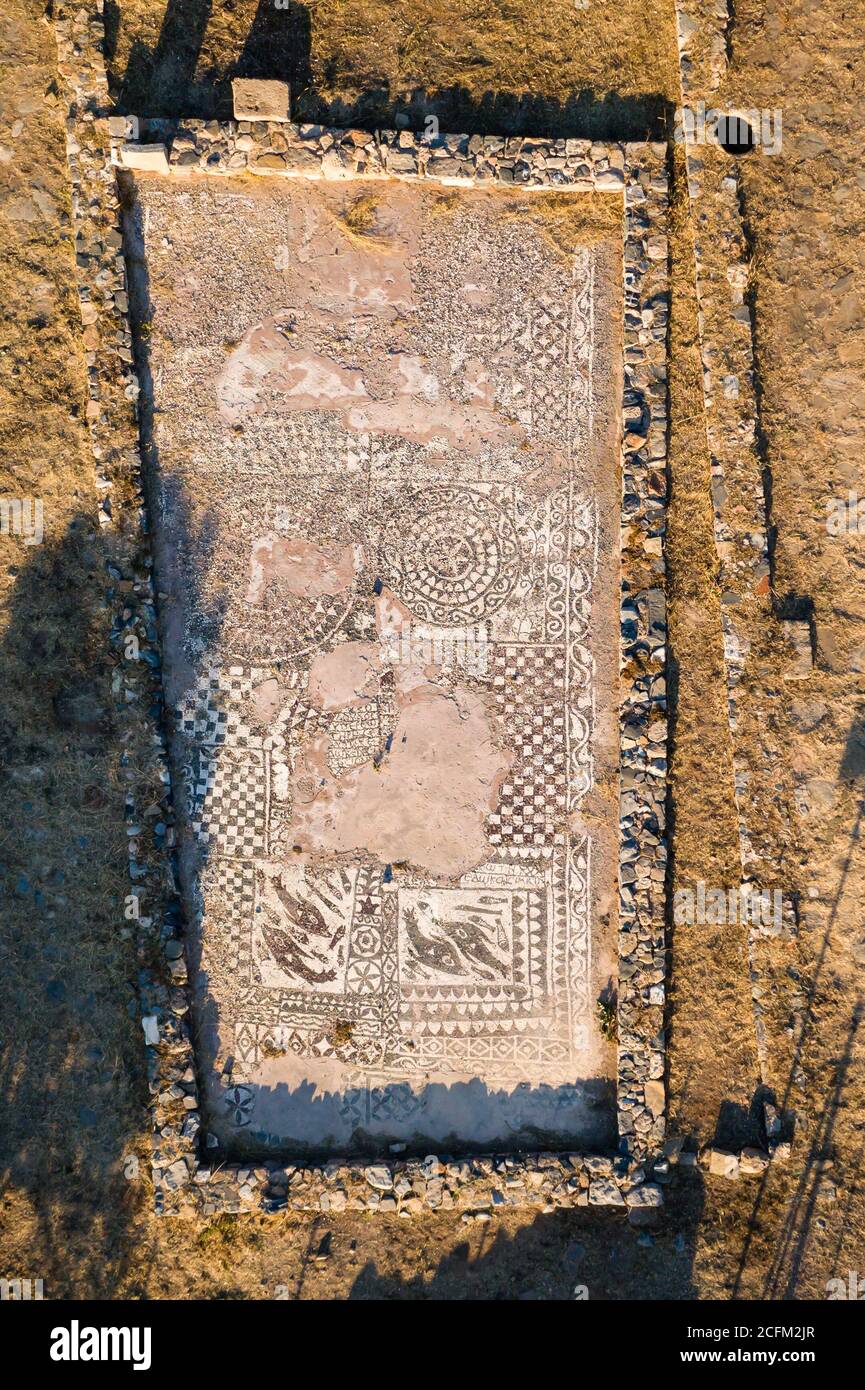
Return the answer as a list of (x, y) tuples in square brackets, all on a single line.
[(712, 1059), (70, 1057), (357, 221), (567, 222), (496, 65)]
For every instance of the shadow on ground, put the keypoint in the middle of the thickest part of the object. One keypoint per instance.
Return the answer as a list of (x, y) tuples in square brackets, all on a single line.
[(567, 1256), (786, 1267), (71, 1064), (164, 81)]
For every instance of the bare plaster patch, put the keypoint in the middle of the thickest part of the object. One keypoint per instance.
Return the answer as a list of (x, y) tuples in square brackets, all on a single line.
[(346, 674), (425, 802), (266, 701), (404, 400), (305, 568)]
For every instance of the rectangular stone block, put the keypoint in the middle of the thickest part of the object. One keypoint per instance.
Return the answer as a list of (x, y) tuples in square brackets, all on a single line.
[(260, 99), (148, 158), (801, 661)]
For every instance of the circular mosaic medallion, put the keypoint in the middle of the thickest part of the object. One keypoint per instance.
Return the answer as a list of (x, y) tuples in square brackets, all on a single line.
[(457, 560), (239, 1104), (363, 977)]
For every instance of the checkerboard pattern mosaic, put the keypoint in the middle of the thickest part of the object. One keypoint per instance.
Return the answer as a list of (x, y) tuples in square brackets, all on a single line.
[(529, 685)]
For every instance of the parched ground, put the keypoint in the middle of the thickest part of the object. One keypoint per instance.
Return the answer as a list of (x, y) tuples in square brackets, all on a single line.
[(74, 1209)]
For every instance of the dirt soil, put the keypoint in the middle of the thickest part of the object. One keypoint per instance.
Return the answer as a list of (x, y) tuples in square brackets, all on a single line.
[(76, 1206)]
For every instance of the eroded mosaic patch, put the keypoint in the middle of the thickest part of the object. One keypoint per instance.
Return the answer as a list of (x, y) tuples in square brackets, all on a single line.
[(382, 513)]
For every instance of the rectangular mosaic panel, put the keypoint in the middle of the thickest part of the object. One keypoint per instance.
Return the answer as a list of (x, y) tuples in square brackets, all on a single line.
[(383, 486)]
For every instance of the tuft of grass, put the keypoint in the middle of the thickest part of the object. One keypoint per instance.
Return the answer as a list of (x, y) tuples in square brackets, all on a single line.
[(222, 1239), (341, 1033), (446, 202), (605, 1009), (567, 221), (358, 220)]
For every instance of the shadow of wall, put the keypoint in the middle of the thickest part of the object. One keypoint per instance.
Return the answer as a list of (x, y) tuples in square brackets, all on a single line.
[(167, 80)]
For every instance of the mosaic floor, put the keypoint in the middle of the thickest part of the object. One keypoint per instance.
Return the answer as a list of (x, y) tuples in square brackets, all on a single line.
[(385, 425)]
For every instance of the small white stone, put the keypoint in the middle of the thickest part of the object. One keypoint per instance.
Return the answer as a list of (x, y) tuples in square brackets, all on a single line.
[(150, 1024), (647, 1195), (379, 1178)]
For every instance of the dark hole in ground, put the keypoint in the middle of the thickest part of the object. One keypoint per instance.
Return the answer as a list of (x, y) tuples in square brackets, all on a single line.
[(735, 135)]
